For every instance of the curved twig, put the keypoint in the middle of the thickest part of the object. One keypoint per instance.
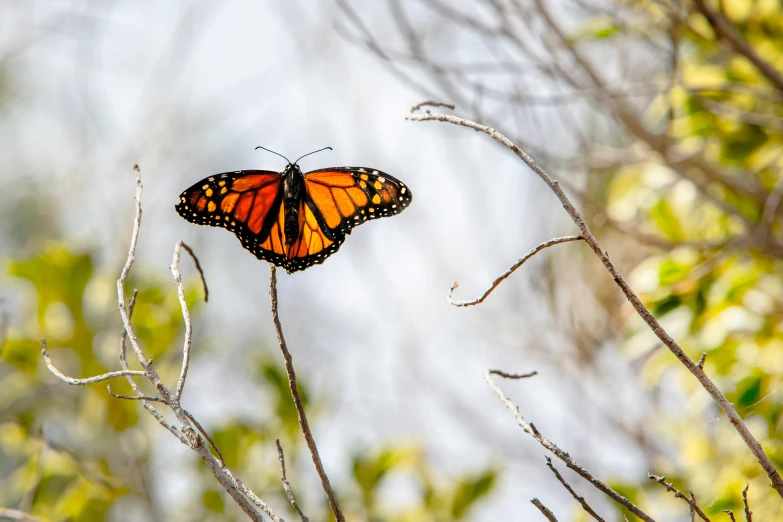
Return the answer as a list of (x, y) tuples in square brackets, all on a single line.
[(286, 485), (431, 103), (87, 380), (303, 424), (199, 269), (512, 268), (185, 314), (714, 392)]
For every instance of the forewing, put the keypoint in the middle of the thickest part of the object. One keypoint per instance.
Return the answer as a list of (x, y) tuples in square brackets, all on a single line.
[(348, 196), (247, 203)]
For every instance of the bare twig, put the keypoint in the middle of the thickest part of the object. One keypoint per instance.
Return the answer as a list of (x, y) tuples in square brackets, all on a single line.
[(17, 514), (748, 512), (87, 380), (135, 397), (512, 268), (199, 269), (564, 456), (731, 514), (544, 510), (678, 494), (201, 429), (726, 32), (693, 502), (644, 313), (703, 358), (286, 485), (303, 424), (185, 316), (578, 498), (124, 364), (507, 375), (431, 103)]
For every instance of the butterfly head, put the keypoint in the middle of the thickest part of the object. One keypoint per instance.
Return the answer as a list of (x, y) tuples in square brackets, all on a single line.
[(293, 168)]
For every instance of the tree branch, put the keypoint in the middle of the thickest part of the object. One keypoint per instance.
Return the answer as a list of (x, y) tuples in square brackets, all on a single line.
[(303, 424), (544, 510), (644, 313), (568, 487), (17, 514), (87, 380), (286, 485), (748, 512), (564, 456), (512, 268), (678, 494)]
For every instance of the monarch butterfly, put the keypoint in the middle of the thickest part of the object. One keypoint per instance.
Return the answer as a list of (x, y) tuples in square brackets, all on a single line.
[(291, 219)]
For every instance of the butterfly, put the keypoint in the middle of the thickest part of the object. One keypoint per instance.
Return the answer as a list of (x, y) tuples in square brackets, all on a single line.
[(290, 219)]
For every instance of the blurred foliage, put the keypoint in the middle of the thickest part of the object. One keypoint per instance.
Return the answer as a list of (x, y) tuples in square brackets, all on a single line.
[(717, 285), (76, 453)]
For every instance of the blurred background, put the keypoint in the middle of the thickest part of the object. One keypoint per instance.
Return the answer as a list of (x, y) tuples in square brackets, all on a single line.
[(666, 133)]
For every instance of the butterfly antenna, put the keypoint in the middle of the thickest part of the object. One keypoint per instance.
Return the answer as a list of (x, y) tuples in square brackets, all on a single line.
[(273, 152), (319, 150)]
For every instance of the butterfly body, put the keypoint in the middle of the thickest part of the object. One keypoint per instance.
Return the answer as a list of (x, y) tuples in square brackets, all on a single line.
[(293, 187), (291, 219)]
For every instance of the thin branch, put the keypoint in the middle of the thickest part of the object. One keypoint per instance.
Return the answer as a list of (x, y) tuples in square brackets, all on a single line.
[(185, 316), (87, 380), (693, 501), (124, 364), (678, 494), (731, 514), (512, 268), (17, 514), (703, 358), (199, 269), (725, 31), (578, 498), (564, 456), (201, 429), (506, 375), (544, 510), (286, 485), (432, 103), (303, 424), (135, 397), (644, 313), (748, 512)]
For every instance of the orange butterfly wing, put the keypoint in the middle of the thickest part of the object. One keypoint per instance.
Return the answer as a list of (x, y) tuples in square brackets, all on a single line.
[(349, 196), (245, 202)]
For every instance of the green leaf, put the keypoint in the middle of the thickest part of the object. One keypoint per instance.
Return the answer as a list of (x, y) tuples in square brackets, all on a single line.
[(213, 501), (748, 392), (22, 354), (469, 490), (665, 219)]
